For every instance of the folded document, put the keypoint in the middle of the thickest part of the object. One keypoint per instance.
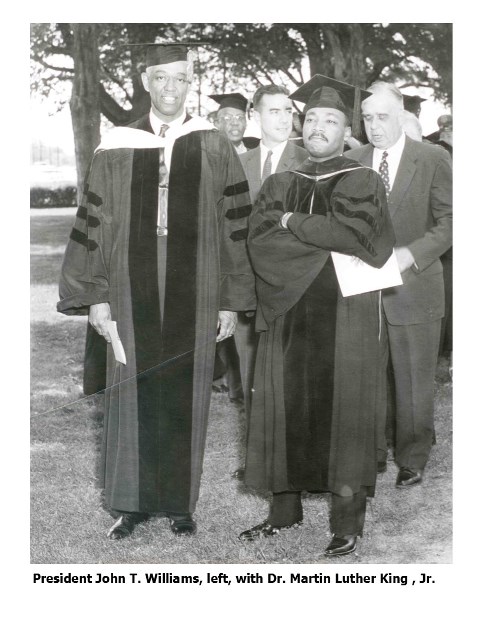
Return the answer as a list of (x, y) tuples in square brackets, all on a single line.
[(118, 350), (355, 276)]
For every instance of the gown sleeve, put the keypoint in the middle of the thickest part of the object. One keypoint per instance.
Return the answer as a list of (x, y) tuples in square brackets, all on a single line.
[(237, 285), (84, 276), (357, 223), (286, 261)]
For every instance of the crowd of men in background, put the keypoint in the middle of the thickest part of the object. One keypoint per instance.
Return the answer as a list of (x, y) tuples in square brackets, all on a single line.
[(212, 252)]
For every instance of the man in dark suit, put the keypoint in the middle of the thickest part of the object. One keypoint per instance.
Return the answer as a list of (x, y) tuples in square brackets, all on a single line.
[(273, 112), (418, 180)]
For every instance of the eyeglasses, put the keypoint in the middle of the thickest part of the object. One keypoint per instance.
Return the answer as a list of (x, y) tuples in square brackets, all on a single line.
[(230, 117)]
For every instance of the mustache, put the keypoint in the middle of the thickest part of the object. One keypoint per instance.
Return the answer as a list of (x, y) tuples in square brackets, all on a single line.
[(318, 134)]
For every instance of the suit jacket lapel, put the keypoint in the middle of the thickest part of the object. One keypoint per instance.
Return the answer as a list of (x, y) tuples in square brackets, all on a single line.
[(366, 156), (403, 178), (287, 158)]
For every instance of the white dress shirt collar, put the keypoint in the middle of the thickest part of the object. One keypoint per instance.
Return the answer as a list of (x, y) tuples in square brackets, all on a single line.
[(156, 123)]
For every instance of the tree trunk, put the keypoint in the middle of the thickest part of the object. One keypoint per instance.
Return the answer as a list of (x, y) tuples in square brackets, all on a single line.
[(357, 69), (85, 100)]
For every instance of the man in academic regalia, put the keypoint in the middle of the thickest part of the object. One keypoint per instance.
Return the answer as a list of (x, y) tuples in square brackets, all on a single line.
[(231, 118), (318, 378), (159, 247)]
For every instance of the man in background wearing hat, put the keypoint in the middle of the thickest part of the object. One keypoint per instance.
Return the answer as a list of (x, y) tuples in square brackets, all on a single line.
[(413, 104), (231, 118), (158, 246), (320, 357), (418, 181)]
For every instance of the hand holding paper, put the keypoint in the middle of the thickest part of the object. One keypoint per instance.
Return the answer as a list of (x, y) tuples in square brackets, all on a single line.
[(355, 276)]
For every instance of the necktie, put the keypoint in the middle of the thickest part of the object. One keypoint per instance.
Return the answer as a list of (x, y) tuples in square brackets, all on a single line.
[(383, 170), (162, 188), (267, 167)]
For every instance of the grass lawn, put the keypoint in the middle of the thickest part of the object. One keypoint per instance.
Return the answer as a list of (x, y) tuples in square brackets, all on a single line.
[(69, 522)]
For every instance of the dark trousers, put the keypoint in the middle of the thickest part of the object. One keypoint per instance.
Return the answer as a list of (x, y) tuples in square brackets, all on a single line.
[(246, 344), (347, 513), (227, 353), (413, 356)]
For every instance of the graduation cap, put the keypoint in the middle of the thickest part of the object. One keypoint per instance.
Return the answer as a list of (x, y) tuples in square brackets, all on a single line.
[(164, 53), (232, 100), (323, 92), (412, 103)]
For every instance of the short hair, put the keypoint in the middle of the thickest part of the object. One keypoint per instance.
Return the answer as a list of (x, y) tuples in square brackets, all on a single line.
[(269, 89), (381, 87)]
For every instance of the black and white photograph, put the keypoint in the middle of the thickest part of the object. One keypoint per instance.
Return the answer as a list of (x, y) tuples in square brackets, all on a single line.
[(241, 303)]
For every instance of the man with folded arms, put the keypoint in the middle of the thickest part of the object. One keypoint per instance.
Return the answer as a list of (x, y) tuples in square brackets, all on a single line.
[(318, 378)]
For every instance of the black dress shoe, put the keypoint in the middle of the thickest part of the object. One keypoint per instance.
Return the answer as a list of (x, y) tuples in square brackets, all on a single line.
[(381, 467), (125, 524), (239, 474), (265, 529), (183, 524), (407, 477), (339, 546)]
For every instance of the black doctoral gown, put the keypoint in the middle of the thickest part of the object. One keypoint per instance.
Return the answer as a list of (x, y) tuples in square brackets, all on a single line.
[(157, 404), (318, 378)]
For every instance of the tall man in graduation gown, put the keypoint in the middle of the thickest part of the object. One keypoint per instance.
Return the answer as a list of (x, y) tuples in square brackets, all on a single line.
[(159, 247), (317, 385), (418, 178)]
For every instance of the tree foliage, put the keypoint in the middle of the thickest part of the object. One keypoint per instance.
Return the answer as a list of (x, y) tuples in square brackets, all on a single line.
[(247, 55), (237, 56)]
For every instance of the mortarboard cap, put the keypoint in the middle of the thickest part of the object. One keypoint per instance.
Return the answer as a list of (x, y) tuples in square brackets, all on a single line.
[(164, 53), (412, 102), (231, 100), (324, 92)]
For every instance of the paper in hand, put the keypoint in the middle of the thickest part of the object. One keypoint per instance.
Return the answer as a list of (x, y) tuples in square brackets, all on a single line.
[(355, 276), (118, 350)]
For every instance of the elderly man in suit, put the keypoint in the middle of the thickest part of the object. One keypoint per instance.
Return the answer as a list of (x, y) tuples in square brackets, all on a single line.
[(418, 180), (273, 112)]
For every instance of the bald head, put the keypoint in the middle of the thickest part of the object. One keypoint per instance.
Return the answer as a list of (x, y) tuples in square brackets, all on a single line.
[(445, 121)]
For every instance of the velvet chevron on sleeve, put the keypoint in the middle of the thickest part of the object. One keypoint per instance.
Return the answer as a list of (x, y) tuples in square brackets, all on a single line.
[(84, 277), (318, 387), (165, 293)]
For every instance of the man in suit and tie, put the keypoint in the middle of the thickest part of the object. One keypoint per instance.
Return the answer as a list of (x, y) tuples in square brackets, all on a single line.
[(273, 112), (418, 180)]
